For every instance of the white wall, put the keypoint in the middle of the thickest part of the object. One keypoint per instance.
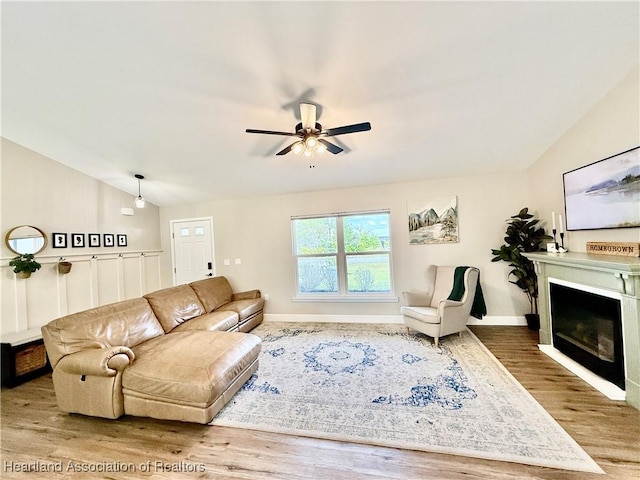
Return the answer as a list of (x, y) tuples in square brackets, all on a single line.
[(38, 191), (611, 126), (258, 231), (41, 192), (47, 194)]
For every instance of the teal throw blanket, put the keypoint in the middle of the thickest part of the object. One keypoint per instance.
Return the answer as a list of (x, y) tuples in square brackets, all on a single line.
[(479, 308)]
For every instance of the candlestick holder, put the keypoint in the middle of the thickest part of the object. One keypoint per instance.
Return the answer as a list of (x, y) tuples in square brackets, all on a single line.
[(555, 241), (562, 249)]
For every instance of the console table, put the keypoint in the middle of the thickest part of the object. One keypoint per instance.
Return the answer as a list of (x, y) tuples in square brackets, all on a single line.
[(23, 357)]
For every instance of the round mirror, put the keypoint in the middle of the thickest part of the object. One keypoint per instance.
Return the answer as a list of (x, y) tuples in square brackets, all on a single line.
[(26, 239)]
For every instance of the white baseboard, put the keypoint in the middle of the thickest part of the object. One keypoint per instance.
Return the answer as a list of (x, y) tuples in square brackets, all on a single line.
[(319, 318), (507, 321), (299, 317)]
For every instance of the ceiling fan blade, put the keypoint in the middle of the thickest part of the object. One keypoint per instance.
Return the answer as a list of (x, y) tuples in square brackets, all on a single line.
[(286, 150), (308, 116), (271, 132), (330, 146), (358, 127)]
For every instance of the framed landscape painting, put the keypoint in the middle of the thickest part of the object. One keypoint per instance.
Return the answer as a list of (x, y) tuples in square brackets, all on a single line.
[(433, 220), (604, 194)]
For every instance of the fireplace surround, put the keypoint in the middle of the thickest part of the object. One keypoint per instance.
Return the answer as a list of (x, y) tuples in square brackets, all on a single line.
[(595, 286)]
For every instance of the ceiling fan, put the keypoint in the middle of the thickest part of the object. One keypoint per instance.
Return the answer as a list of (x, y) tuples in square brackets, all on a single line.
[(312, 135)]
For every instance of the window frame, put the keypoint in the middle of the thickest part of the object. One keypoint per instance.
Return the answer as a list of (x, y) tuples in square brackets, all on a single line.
[(341, 255)]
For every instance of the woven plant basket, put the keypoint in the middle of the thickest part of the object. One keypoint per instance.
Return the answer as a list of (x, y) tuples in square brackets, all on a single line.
[(64, 267)]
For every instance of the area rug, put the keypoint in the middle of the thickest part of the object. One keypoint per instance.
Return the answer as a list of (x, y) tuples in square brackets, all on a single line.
[(376, 384)]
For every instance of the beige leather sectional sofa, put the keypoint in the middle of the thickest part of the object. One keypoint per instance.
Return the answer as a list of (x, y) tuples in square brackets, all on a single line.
[(179, 353)]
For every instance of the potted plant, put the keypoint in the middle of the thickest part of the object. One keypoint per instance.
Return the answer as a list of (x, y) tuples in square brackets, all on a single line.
[(24, 265), (524, 234)]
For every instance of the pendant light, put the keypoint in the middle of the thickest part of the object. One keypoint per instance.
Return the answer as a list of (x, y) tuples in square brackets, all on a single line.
[(139, 199)]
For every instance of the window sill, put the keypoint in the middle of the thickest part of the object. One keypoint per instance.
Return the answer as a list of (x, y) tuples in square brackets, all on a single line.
[(345, 299)]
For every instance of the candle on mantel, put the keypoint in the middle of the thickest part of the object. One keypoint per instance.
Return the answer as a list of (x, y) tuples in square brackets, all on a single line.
[(560, 221), (553, 220)]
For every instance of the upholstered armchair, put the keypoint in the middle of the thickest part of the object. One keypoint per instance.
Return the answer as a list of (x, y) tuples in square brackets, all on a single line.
[(445, 304)]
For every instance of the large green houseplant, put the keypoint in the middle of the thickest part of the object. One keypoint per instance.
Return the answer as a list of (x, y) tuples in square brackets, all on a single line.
[(24, 265), (524, 234)]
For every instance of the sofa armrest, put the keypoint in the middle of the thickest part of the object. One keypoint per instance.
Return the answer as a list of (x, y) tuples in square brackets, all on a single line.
[(414, 299), (101, 362), (248, 295)]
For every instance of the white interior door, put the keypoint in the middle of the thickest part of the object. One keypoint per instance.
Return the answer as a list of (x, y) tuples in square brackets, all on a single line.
[(193, 251)]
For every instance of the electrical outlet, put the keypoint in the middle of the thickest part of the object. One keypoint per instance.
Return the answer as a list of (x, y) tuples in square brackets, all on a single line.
[(238, 261), (265, 296), (226, 261)]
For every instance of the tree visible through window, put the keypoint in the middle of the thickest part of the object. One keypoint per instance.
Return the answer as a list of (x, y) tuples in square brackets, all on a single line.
[(347, 254)]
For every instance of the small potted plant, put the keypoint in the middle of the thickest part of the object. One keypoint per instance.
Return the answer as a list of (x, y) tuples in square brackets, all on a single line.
[(24, 265), (523, 235)]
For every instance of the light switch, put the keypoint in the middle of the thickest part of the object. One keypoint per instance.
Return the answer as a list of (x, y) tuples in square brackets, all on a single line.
[(227, 261), (238, 261)]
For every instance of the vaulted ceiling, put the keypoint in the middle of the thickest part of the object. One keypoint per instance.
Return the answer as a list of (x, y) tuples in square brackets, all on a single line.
[(167, 89)]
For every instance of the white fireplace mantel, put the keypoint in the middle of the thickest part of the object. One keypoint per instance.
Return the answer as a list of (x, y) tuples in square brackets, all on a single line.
[(607, 272)]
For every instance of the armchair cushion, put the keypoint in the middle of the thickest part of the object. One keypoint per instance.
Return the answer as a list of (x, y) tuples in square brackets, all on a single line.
[(424, 314)]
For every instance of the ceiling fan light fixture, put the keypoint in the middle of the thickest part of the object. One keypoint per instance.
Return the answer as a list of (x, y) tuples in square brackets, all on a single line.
[(308, 131), (311, 142), (297, 148)]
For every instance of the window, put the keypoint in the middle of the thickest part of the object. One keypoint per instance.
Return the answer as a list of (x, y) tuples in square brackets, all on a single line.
[(342, 255)]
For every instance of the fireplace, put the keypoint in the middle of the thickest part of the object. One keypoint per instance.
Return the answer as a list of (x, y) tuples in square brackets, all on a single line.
[(586, 325), (612, 346)]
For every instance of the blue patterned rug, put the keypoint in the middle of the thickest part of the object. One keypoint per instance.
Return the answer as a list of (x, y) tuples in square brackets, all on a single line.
[(376, 384)]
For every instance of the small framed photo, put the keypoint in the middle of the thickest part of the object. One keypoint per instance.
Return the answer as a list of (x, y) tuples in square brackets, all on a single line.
[(59, 240), (121, 238), (94, 239), (77, 240), (108, 240)]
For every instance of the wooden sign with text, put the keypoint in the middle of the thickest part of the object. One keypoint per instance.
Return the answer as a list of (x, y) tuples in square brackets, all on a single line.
[(626, 249)]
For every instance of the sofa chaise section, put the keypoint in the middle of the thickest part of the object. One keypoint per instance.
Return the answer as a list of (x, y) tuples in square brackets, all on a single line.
[(171, 379)]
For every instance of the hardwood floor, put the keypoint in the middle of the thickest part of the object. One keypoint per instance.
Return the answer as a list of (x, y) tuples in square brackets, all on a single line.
[(36, 435)]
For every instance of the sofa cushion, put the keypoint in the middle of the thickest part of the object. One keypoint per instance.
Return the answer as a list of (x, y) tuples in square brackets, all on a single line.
[(126, 323), (245, 308), (214, 321), (189, 368), (213, 292), (175, 305)]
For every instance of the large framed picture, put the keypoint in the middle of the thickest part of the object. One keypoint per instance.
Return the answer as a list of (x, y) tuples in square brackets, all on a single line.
[(433, 220), (604, 194)]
